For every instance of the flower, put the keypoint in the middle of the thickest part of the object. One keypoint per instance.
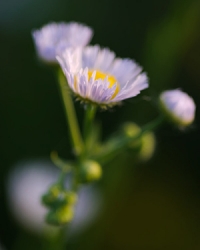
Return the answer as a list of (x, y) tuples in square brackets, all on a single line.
[(96, 75), (55, 37), (178, 106)]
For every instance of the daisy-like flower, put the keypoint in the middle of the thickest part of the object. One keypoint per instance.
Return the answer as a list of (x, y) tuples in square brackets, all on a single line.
[(55, 37), (97, 76), (178, 106)]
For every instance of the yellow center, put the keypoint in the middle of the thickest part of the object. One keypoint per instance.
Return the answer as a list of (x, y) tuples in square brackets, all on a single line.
[(112, 80)]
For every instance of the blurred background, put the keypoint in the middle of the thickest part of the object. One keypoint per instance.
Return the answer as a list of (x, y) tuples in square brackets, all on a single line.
[(151, 205)]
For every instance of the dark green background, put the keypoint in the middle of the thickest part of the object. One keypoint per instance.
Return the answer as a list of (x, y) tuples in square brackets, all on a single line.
[(149, 206)]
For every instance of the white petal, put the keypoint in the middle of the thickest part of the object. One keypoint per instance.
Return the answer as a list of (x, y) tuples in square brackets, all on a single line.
[(134, 88), (104, 60), (70, 60), (103, 94), (89, 56), (55, 37), (96, 58), (125, 70)]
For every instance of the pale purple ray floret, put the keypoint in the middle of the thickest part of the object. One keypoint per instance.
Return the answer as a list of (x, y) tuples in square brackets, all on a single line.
[(119, 79), (53, 38), (179, 105)]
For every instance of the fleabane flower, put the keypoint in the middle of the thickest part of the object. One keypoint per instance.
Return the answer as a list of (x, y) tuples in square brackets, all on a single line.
[(178, 106), (96, 75), (55, 37)]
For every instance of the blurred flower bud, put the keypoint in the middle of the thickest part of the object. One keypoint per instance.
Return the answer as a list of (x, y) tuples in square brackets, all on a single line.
[(71, 197), (148, 144), (131, 130), (57, 197), (178, 107), (52, 196), (89, 171), (143, 146), (60, 215), (29, 180)]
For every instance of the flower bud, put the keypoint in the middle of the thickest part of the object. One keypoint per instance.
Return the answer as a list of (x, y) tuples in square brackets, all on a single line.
[(178, 107), (56, 197), (143, 146), (52, 195), (61, 215), (70, 197), (89, 171), (148, 144), (62, 208), (131, 130)]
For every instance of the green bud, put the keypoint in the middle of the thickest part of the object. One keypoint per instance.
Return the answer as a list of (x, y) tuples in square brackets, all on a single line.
[(131, 130), (56, 197), (60, 216), (148, 144), (70, 197), (89, 171), (61, 205), (143, 146), (52, 196)]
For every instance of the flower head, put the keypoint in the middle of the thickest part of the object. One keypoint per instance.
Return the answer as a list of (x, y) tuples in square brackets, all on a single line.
[(96, 75), (55, 37), (178, 106)]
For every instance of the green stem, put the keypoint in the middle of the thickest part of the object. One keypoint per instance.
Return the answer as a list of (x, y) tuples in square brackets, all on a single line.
[(61, 179), (153, 124), (117, 143), (88, 123), (70, 114), (63, 165), (56, 241)]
